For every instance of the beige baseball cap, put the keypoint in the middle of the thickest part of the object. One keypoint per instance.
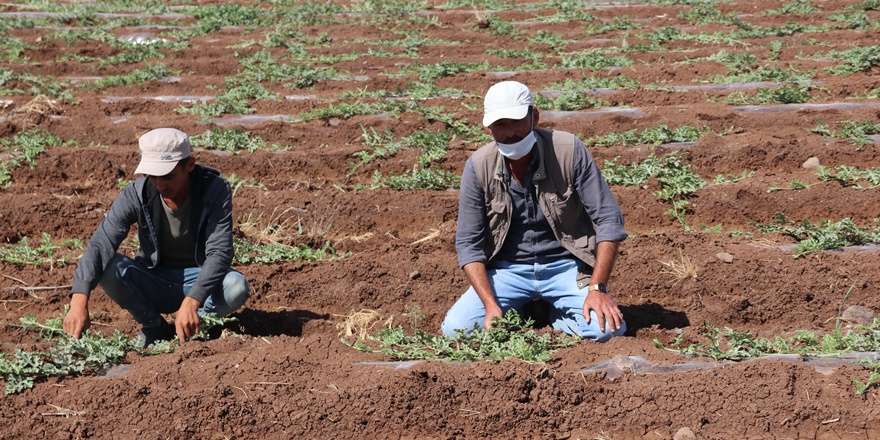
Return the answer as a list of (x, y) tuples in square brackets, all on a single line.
[(161, 149), (506, 100)]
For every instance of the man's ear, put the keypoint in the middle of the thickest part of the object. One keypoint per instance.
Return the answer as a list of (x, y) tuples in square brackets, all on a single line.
[(190, 164), (535, 117)]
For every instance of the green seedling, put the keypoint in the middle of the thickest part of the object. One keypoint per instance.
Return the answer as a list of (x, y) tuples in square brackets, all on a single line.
[(566, 11), (800, 7), (593, 60), (729, 344), (654, 136), (153, 72), (68, 356), (788, 29), (428, 72), (12, 49), (849, 176), (379, 145), (237, 183), (262, 66), (723, 179), (702, 13), (345, 110), (548, 38), (855, 131), (498, 26), (618, 24), (867, 5), (494, 5), (855, 20), (46, 252), (24, 148), (678, 180), (212, 18), (271, 253), (858, 59), (418, 179), (570, 101), (387, 7), (234, 140), (235, 100), (507, 339), (421, 90), (787, 94), (795, 185), (873, 378), (16, 84), (824, 235), (596, 82), (528, 58)]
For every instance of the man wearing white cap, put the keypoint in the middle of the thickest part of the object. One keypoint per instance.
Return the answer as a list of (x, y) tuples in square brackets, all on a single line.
[(536, 220), (184, 215)]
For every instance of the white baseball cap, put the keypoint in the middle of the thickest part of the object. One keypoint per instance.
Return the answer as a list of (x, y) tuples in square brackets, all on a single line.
[(506, 100), (161, 149)]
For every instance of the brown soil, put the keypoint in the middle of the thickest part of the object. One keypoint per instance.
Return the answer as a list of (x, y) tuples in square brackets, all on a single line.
[(285, 373)]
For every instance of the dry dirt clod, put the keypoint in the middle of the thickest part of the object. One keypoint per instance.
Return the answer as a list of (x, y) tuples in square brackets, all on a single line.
[(812, 162), (858, 315), (725, 257), (684, 434)]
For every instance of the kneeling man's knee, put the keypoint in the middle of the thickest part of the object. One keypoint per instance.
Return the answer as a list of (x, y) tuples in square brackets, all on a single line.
[(235, 289)]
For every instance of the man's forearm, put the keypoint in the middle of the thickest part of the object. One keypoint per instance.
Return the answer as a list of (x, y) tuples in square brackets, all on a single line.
[(476, 273), (606, 255)]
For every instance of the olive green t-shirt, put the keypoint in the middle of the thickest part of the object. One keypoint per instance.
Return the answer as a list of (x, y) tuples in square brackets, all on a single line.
[(177, 244)]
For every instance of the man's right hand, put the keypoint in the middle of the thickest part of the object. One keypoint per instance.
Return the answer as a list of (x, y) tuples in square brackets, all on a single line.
[(77, 318), (491, 313)]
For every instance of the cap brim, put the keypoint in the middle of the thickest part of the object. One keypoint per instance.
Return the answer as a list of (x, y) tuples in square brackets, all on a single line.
[(155, 168), (517, 112)]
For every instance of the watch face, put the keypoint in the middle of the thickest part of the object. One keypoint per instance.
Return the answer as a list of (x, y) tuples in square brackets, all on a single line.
[(602, 288)]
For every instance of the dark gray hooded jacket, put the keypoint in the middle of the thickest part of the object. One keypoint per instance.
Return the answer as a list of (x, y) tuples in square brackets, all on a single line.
[(139, 203)]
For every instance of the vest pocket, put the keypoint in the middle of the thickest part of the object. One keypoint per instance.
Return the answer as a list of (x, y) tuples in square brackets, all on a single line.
[(564, 208), (497, 214)]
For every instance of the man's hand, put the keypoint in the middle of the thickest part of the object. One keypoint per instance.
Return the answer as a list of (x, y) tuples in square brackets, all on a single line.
[(492, 312), (606, 310), (476, 273), (186, 320), (77, 318)]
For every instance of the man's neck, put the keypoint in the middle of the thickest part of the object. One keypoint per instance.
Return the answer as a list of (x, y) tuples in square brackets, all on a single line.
[(175, 204), (519, 167)]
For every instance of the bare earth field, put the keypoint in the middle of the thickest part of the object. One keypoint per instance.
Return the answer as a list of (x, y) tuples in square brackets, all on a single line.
[(282, 371)]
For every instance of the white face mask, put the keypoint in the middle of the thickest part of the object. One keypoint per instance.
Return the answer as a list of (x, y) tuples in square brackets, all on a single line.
[(519, 149)]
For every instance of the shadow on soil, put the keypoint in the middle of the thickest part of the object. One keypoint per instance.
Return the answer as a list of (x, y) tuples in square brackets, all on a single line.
[(649, 315), (275, 323), (637, 317)]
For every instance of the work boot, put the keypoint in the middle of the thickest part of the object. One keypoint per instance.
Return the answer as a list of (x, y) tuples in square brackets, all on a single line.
[(149, 335)]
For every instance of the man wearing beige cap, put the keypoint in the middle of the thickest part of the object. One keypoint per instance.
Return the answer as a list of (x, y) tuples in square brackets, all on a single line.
[(536, 220), (184, 215)]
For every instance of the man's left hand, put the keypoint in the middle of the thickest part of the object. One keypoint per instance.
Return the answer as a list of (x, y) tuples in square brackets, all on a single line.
[(606, 310), (186, 321)]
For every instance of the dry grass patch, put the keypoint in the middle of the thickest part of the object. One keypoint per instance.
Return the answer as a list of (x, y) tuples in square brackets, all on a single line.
[(267, 231), (681, 268), (35, 111), (361, 324)]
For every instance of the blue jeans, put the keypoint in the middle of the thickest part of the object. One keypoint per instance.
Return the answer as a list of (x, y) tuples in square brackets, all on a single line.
[(147, 293), (517, 284)]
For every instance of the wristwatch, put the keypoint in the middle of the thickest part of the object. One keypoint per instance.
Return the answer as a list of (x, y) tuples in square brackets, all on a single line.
[(600, 287)]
